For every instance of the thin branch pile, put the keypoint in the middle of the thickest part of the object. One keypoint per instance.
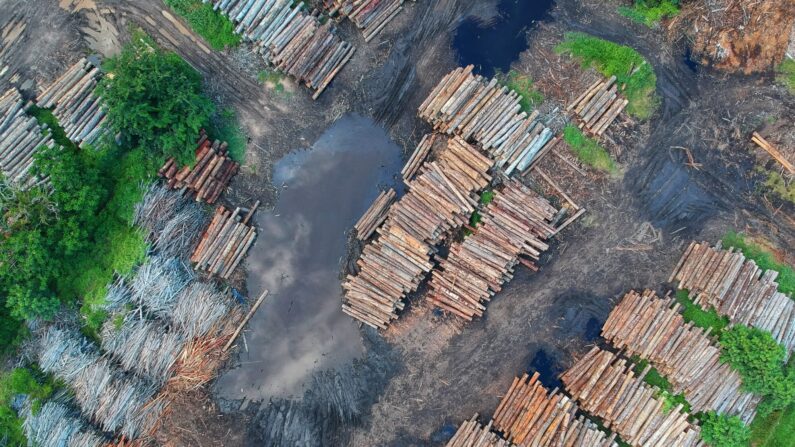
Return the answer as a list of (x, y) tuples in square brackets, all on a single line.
[(515, 224), (598, 106), (375, 215), (170, 221), (652, 328), (20, 137), (370, 16), (737, 288), (225, 242), (55, 424)]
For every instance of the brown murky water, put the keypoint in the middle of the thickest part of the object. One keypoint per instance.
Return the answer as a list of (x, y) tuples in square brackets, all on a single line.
[(300, 328)]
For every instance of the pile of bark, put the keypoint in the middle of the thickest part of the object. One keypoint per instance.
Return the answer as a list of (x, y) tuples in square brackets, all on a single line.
[(515, 224), (208, 177), (375, 215), (20, 136), (652, 328), (289, 38), (487, 113), (529, 415), (738, 289), (370, 16), (606, 387), (598, 106), (225, 242), (472, 434), (71, 98)]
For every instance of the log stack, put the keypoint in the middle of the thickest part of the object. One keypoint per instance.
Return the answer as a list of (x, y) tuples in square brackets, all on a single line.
[(487, 113), (72, 100), (375, 215), (209, 177), (370, 16), (20, 137), (295, 42), (225, 242), (598, 106), (738, 289), (515, 224), (652, 328), (418, 157), (472, 434), (606, 387), (529, 415)]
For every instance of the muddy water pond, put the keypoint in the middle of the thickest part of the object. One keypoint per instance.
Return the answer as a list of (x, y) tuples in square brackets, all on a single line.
[(300, 329)]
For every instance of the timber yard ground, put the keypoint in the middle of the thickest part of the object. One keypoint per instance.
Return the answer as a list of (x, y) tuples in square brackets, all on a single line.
[(318, 165)]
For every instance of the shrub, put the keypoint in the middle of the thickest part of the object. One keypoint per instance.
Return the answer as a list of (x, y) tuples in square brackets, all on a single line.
[(217, 29), (588, 150), (724, 431)]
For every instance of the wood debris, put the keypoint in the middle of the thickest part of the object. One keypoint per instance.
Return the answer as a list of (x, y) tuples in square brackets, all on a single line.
[(598, 106), (20, 137), (293, 41), (370, 16), (653, 329), (375, 215), (738, 289), (209, 177), (485, 112), (472, 434), (516, 223), (225, 242), (775, 153), (606, 387)]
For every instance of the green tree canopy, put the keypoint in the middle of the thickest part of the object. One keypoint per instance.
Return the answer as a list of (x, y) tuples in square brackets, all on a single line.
[(724, 431)]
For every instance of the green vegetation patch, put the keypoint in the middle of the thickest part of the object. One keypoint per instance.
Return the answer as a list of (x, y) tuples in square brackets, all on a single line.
[(529, 97), (217, 29), (650, 12), (724, 431), (776, 429), (786, 74), (780, 187), (764, 259), (588, 150), (655, 379), (225, 127), (21, 381), (705, 319), (633, 73)]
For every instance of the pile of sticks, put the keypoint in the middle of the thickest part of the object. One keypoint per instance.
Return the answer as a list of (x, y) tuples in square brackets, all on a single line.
[(652, 328), (209, 177), (79, 111), (472, 434), (737, 288), (516, 223), (419, 156), (57, 424), (529, 415), (290, 39), (598, 106), (225, 242), (773, 152), (606, 387), (20, 136), (484, 112), (375, 215), (370, 16)]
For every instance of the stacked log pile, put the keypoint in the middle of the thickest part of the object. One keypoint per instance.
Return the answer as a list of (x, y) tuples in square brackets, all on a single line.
[(441, 198), (529, 415), (225, 242), (598, 106), (292, 40), (652, 328), (515, 224), (71, 97), (737, 288), (209, 177), (418, 157), (484, 112), (472, 434), (20, 136), (375, 215), (606, 387), (370, 16)]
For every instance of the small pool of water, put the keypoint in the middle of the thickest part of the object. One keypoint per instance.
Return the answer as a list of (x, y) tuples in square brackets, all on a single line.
[(300, 328), (495, 45), (548, 369)]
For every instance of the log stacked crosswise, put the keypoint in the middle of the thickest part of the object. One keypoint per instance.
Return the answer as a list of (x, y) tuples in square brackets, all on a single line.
[(209, 177), (225, 242), (20, 136), (295, 42), (652, 328), (487, 113), (516, 223), (370, 16), (598, 106), (606, 387), (737, 288)]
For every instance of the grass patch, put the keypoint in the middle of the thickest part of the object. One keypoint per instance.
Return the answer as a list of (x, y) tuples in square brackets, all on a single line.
[(776, 429), (225, 127), (655, 379), (763, 258), (522, 84), (21, 381), (780, 187), (588, 150), (702, 318), (785, 75), (217, 29), (650, 12), (633, 74)]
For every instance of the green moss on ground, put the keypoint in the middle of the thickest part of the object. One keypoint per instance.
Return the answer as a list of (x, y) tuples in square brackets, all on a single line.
[(588, 150), (786, 74), (702, 318), (650, 12), (529, 97), (763, 258)]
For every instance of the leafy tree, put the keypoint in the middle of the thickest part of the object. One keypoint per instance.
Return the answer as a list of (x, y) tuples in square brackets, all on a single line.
[(720, 430)]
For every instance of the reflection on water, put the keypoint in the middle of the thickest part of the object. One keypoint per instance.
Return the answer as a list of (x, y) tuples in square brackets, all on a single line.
[(300, 328)]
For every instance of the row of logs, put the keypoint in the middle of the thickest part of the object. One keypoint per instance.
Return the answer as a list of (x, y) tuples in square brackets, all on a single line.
[(419, 156), (71, 98), (653, 329), (516, 223), (485, 112), (225, 242), (370, 16), (606, 387), (20, 136), (598, 106), (209, 177), (529, 415), (472, 434), (295, 42), (440, 199), (375, 215), (738, 289)]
